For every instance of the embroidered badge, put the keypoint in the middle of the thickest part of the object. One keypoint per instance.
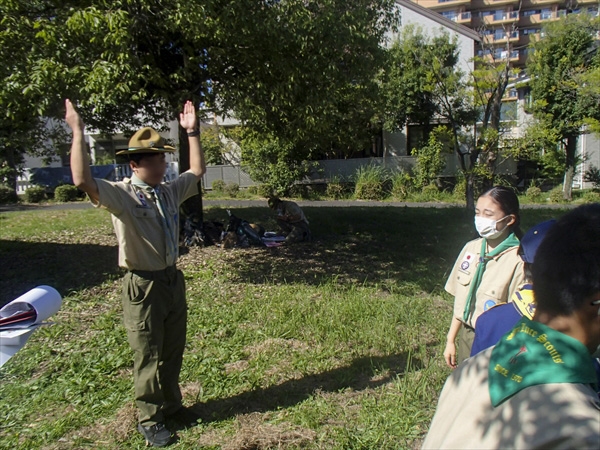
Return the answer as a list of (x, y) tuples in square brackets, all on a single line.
[(489, 304), (142, 198), (466, 262)]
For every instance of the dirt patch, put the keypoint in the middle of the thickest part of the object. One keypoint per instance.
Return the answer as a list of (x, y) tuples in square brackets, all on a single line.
[(253, 432)]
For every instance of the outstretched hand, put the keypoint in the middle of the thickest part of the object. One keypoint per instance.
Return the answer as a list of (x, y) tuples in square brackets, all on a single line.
[(188, 119), (72, 116)]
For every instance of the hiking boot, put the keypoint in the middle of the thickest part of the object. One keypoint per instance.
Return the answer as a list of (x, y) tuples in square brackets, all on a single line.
[(155, 435), (185, 417)]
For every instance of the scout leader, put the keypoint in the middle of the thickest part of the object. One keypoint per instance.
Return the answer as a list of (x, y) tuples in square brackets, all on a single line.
[(146, 221)]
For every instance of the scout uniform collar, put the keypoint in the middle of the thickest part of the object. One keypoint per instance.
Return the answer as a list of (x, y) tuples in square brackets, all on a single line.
[(535, 354), (510, 241), (136, 181)]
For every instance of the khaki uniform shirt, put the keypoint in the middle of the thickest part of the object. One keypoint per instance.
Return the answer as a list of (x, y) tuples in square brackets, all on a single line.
[(287, 208), (550, 416), (503, 275), (137, 221)]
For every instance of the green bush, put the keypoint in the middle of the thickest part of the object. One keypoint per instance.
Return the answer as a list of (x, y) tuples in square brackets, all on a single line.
[(218, 186), (35, 194), (232, 189), (370, 182), (265, 190), (253, 189), (556, 195), (460, 188), (402, 185), (591, 197), (66, 193), (533, 193), (7, 195), (336, 188), (592, 175), (298, 190), (430, 192)]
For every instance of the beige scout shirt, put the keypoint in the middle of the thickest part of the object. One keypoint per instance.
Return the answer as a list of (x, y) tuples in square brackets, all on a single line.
[(550, 416), (287, 208), (503, 275), (137, 221)]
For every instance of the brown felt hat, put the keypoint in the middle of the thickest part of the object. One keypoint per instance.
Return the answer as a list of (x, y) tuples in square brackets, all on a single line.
[(146, 140)]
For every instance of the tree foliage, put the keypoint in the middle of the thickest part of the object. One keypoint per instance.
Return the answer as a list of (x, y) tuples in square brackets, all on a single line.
[(558, 63), (302, 71)]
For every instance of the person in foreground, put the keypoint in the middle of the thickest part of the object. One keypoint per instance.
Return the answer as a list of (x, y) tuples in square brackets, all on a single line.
[(535, 387), (145, 215), (291, 219)]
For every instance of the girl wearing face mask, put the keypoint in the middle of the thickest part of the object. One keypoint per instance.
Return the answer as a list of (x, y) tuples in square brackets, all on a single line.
[(487, 271)]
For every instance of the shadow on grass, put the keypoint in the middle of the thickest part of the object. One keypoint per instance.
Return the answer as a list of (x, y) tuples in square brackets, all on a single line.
[(357, 376), (384, 246), (66, 267)]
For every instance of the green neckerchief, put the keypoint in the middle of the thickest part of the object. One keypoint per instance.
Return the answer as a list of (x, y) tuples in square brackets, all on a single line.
[(510, 241), (534, 354)]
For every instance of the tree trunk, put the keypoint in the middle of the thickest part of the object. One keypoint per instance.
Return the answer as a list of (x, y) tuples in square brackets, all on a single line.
[(470, 191), (570, 149), (11, 174)]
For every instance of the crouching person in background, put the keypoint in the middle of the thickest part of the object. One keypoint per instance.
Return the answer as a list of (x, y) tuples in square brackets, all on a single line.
[(291, 220)]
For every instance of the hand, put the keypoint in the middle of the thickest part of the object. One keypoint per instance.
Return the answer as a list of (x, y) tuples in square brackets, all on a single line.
[(72, 116), (188, 118), (450, 355)]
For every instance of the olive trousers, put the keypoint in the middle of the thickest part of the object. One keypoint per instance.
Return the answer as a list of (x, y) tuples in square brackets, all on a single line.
[(155, 317)]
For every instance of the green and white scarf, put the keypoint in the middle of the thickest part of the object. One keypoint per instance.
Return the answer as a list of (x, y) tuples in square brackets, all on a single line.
[(510, 241)]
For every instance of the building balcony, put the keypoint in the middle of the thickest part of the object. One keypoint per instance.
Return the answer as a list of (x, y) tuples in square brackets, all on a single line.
[(546, 17), (501, 39), (498, 19), (442, 4), (479, 4), (540, 2), (510, 95), (464, 18)]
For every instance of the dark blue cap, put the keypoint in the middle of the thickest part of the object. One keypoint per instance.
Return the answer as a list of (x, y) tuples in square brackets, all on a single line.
[(532, 240)]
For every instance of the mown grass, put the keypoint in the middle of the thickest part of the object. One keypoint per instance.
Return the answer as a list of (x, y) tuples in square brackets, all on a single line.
[(333, 344)]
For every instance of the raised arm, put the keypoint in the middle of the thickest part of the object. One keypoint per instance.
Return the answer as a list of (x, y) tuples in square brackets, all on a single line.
[(80, 164), (189, 121)]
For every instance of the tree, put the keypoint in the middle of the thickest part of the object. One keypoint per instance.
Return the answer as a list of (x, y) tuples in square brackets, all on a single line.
[(294, 69), (489, 81), (559, 60)]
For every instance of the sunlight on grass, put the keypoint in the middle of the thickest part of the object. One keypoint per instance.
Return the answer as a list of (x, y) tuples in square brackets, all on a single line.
[(334, 344)]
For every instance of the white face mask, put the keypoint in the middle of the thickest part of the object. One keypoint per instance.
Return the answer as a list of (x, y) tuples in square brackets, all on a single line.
[(487, 227)]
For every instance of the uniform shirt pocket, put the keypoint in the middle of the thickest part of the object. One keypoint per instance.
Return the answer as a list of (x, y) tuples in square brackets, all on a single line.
[(143, 213)]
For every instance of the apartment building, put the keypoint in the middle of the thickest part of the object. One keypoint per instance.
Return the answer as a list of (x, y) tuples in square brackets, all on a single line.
[(507, 26)]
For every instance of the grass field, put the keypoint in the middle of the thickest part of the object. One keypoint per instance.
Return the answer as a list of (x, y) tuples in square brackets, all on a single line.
[(332, 344)]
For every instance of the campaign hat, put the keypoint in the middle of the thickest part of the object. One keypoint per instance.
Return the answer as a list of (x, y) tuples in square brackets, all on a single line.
[(146, 140)]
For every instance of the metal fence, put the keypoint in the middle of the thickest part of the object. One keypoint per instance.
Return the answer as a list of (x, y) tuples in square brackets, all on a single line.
[(325, 170)]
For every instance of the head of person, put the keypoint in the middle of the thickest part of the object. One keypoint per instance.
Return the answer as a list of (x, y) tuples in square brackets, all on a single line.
[(273, 202), (566, 273), (497, 213), (530, 242), (146, 153)]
